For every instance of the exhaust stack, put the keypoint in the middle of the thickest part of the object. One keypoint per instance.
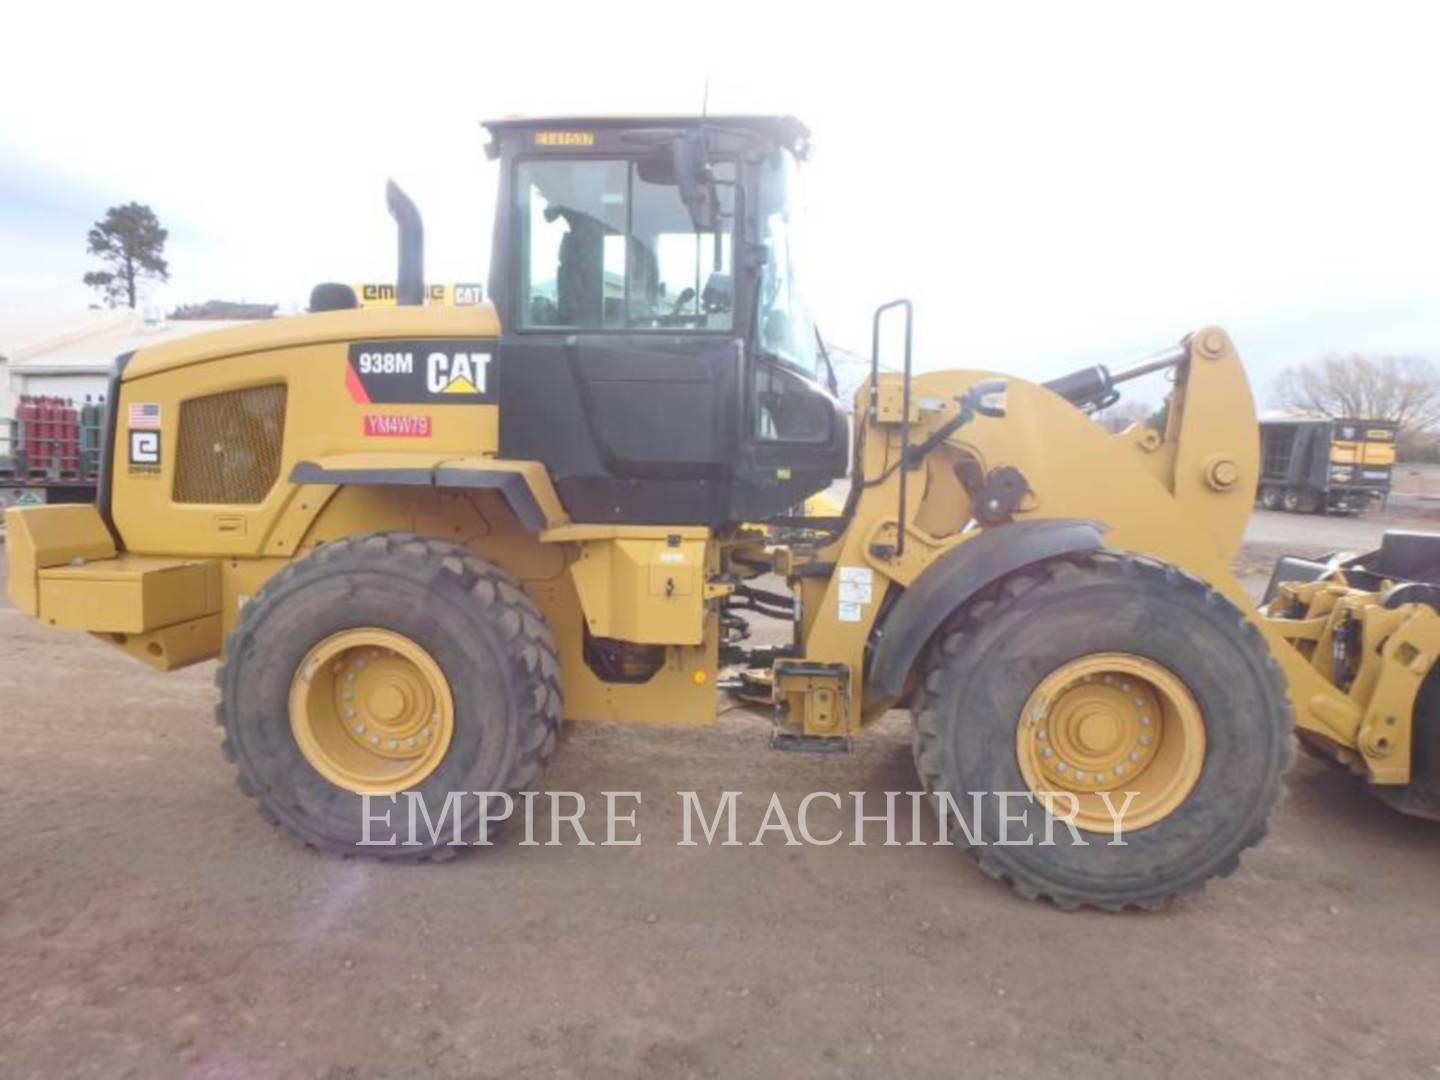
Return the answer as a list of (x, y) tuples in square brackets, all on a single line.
[(410, 270)]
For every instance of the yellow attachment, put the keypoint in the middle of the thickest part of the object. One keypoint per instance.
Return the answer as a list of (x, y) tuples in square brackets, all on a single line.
[(1115, 723), (371, 711), (1363, 717), (823, 504)]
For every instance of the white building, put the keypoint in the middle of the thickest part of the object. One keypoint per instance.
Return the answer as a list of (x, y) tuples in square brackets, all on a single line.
[(70, 355)]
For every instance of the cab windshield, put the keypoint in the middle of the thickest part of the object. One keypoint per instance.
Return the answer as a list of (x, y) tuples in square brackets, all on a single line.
[(610, 245), (785, 329)]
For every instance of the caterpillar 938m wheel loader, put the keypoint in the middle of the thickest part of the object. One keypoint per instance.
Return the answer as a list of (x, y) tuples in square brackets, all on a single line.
[(418, 539)]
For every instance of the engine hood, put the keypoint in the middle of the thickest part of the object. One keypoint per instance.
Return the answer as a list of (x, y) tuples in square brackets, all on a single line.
[(353, 324)]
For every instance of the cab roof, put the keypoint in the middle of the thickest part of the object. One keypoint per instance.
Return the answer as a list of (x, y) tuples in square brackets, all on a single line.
[(788, 131)]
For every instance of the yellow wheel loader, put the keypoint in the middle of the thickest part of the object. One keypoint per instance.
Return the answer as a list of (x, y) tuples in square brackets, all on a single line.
[(419, 539)]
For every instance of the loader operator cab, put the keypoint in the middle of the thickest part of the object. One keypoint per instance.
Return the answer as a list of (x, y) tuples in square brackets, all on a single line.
[(657, 354)]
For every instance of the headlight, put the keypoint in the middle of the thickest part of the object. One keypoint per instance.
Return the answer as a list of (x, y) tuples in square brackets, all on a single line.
[(1340, 472)]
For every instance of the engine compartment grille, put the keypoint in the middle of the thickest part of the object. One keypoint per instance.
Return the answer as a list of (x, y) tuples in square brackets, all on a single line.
[(230, 446)]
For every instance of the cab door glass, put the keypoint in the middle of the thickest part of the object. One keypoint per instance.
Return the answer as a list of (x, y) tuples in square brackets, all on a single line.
[(610, 245), (784, 326), (786, 404)]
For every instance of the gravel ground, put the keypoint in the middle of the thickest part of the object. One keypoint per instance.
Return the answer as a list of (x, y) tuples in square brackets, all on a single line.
[(151, 925)]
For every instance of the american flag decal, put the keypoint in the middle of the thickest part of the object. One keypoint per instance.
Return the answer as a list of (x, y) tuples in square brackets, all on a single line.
[(145, 416)]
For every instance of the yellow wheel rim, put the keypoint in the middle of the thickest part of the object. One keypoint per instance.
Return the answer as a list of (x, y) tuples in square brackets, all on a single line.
[(1113, 723), (371, 711)]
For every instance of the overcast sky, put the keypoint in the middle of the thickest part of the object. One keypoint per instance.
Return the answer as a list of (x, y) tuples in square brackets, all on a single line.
[(1052, 185)]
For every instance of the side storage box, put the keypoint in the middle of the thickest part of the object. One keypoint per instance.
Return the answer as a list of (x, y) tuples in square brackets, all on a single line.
[(640, 583), (132, 594)]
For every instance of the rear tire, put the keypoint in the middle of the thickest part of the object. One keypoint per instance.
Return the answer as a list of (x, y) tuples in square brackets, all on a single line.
[(470, 626), (1269, 498), (1291, 501), (984, 667)]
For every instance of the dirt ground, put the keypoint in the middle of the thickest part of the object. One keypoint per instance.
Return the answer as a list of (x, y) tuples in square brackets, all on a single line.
[(151, 925)]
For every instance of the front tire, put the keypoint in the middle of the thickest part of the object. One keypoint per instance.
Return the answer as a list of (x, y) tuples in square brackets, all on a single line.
[(1144, 679), (388, 663)]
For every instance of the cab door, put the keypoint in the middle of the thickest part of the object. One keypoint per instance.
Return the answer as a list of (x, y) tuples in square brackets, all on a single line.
[(620, 365)]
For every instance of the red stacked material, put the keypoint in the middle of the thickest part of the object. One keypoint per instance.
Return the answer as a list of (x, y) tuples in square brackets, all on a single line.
[(49, 435)]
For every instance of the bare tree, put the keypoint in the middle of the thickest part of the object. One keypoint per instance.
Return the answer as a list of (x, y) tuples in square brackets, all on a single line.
[(1405, 389)]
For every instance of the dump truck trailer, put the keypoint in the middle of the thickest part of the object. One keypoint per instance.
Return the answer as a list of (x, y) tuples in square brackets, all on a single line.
[(1310, 465)]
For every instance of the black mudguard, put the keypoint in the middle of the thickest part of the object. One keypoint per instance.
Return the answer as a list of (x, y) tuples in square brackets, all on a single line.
[(948, 583), (510, 485)]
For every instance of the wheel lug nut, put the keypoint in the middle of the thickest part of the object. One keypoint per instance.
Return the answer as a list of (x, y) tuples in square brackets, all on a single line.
[(1047, 752), (1061, 766), (359, 729), (1144, 740), (1144, 721), (394, 744), (1119, 770), (375, 740), (1040, 734), (1124, 687)]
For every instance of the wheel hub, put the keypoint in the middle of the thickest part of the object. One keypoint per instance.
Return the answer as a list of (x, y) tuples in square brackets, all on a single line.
[(1111, 723), (371, 711)]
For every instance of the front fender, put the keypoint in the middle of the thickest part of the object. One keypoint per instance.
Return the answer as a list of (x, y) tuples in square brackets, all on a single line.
[(949, 582)]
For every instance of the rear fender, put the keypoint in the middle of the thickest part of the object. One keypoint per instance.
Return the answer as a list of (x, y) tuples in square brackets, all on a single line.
[(524, 485)]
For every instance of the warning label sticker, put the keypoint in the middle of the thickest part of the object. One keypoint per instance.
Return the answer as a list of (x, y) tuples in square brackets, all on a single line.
[(857, 586), (856, 583)]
